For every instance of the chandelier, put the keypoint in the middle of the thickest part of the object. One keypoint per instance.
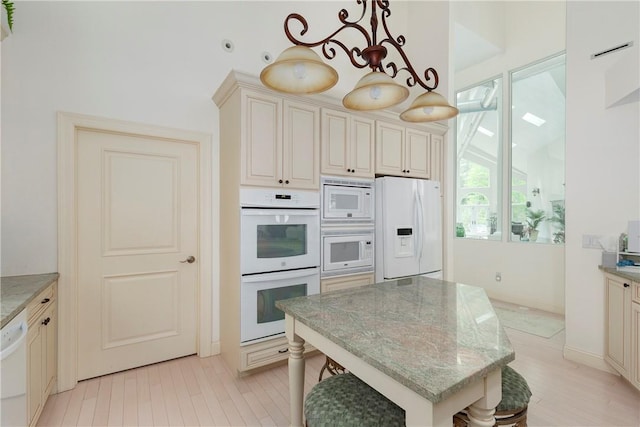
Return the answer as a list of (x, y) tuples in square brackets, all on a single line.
[(300, 70)]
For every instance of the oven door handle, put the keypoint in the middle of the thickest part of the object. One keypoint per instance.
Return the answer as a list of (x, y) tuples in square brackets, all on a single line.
[(272, 212), (280, 275)]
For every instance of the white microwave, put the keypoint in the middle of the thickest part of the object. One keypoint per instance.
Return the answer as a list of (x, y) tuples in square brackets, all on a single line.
[(347, 251), (347, 201)]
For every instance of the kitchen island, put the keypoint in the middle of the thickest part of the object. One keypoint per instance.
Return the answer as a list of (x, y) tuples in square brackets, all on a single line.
[(432, 347)]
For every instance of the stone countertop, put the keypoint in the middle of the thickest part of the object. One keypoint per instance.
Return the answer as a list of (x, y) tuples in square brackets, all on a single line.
[(435, 337), (629, 275), (18, 291)]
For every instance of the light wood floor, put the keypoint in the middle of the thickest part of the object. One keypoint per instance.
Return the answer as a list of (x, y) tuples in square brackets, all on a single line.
[(193, 391)]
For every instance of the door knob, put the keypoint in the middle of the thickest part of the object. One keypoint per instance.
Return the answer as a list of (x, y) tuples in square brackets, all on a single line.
[(190, 259)]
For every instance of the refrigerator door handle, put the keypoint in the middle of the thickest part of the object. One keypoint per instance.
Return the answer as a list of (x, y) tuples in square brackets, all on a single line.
[(419, 238)]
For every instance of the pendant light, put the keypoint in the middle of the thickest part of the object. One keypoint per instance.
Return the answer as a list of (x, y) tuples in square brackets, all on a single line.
[(299, 69), (429, 107), (375, 91)]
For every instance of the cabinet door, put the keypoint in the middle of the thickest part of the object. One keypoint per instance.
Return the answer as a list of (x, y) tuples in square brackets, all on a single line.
[(261, 148), (389, 149), (335, 142), (34, 371), (635, 343), (50, 341), (437, 160), (417, 154), (301, 146), (618, 318), (361, 152), (345, 282)]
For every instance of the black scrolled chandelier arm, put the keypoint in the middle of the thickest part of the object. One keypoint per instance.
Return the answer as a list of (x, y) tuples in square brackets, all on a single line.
[(355, 54)]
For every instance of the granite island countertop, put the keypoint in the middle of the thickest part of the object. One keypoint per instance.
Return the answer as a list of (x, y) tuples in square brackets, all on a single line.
[(433, 336), (18, 291)]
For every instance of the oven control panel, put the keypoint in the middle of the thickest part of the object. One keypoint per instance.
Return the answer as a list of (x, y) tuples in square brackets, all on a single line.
[(279, 198)]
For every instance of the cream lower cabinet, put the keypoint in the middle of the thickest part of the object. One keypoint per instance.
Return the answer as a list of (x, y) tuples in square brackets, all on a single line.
[(622, 316), (266, 353), (345, 282), (280, 141), (41, 351), (402, 151), (635, 334), (347, 144)]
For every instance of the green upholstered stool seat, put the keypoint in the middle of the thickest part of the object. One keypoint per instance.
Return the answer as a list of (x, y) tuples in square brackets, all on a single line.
[(512, 409), (344, 400)]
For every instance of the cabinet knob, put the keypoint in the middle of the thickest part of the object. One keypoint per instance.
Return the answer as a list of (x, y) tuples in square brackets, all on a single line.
[(286, 182), (279, 181), (283, 351), (626, 285), (46, 321), (348, 170), (353, 171), (408, 171), (44, 301)]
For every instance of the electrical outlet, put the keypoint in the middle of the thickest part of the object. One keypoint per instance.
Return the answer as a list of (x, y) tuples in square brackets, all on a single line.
[(498, 277), (591, 241)]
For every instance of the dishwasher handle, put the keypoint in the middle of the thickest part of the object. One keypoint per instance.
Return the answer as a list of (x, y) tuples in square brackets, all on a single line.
[(6, 352)]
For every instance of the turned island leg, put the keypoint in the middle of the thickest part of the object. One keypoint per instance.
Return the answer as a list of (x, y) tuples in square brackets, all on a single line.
[(482, 412), (296, 373)]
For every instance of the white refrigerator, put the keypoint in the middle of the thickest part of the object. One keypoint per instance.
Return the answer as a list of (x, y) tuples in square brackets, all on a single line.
[(408, 235)]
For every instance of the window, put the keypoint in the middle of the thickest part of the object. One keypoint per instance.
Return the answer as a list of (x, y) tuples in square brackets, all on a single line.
[(534, 187), (479, 129), (537, 151)]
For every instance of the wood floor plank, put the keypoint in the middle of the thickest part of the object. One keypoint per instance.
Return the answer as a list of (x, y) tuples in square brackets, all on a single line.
[(203, 391)]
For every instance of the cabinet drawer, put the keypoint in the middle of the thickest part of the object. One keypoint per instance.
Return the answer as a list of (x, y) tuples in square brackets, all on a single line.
[(40, 303), (635, 292), (265, 353)]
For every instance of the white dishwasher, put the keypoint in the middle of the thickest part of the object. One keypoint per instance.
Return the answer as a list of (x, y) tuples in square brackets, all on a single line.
[(13, 372)]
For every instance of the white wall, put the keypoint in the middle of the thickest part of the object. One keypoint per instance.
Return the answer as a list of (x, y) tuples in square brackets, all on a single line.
[(603, 158), (150, 62), (532, 274)]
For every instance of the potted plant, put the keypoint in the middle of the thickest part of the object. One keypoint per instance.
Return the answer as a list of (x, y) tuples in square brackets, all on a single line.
[(534, 218), (558, 220), (9, 9)]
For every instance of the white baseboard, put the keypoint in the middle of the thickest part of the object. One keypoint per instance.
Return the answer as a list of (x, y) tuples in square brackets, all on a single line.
[(215, 348), (588, 359)]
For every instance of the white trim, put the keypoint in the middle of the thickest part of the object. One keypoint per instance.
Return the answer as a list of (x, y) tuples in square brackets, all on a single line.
[(588, 359), (68, 124)]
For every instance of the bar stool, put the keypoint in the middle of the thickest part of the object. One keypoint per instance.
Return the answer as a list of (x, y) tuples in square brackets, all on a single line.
[(512, 409), (345, 401), (331, 366)]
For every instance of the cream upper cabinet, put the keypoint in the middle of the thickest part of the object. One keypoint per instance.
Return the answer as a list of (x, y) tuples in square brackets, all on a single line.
[(281, 143), (437, 159), (301, 146), (402, 151), (347, 144)]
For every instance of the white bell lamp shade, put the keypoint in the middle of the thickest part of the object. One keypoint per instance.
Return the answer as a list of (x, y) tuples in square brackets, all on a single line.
[(299, 69), (375, 91), (429, 107)]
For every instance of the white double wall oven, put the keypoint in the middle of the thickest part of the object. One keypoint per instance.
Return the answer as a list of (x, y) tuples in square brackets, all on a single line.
[(347, 226), (280, 256)]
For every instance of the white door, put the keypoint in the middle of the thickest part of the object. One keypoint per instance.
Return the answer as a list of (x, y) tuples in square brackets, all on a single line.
[(137, 201)]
